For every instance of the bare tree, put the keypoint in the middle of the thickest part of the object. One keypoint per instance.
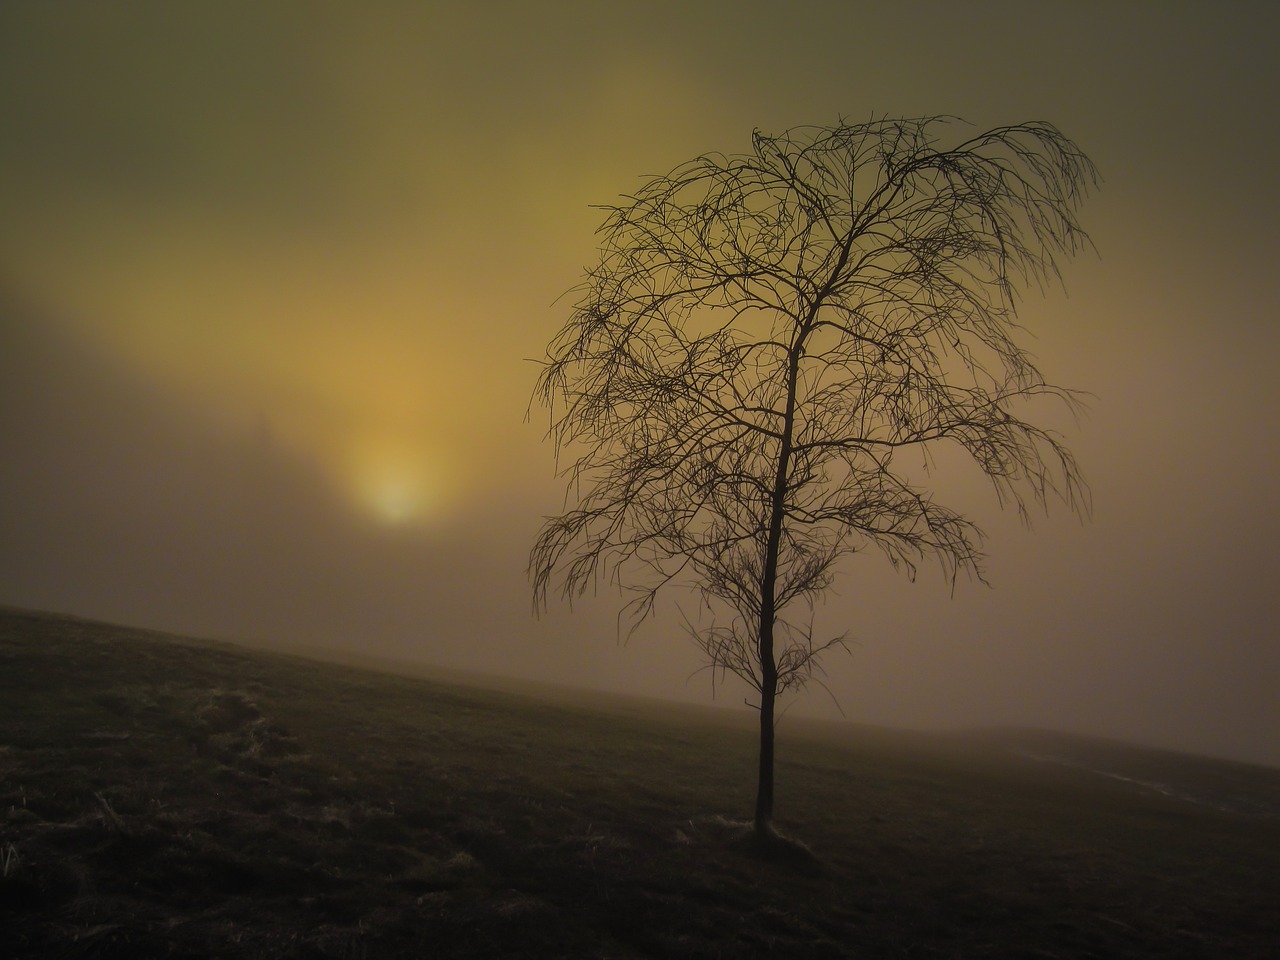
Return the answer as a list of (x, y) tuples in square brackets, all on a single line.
[(762, 339)]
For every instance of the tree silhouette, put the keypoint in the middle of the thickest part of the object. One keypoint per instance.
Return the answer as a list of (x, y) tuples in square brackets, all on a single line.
[(763, 338)]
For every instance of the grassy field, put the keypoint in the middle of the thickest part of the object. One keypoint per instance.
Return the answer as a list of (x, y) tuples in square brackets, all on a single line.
[(168, 797)]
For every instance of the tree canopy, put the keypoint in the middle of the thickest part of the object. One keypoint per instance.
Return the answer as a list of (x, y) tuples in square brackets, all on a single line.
[(762, 339)]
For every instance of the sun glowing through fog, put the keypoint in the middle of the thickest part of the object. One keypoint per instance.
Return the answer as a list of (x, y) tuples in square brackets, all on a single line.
[(399, 485), (395, 501)]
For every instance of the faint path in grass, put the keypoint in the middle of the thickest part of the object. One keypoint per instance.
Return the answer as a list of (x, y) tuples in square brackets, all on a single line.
[(1256, 795)]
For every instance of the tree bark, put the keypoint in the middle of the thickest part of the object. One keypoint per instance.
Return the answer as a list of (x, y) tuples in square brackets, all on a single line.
[(764, 786), (769, 593)]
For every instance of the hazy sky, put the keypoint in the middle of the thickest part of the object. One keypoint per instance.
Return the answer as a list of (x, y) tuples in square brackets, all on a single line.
[(270, 274)]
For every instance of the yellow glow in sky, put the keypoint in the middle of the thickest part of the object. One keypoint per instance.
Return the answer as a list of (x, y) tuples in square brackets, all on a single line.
[(397, 482)]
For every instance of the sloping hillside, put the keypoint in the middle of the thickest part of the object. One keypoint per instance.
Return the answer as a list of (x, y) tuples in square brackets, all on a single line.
[(161, 796)]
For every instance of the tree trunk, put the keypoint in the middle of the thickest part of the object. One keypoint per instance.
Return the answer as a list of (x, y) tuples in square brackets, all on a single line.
[(764, 786), (768, 594)]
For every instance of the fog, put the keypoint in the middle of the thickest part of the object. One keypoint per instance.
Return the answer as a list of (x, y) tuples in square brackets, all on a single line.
[(269, 280)]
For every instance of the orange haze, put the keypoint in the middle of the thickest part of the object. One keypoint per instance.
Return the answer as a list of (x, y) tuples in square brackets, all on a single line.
[(270, 273)]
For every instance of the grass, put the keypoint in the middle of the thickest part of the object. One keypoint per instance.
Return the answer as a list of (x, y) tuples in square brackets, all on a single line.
[(161, 796)]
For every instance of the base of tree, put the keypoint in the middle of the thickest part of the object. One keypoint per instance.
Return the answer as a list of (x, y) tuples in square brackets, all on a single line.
[(769, 844)]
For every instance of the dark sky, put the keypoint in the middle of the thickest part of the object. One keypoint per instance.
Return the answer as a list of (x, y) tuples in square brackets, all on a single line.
[(270, 273)]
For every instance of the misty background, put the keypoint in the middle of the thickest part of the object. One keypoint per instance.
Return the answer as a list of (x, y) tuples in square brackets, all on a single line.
[(270, 276)]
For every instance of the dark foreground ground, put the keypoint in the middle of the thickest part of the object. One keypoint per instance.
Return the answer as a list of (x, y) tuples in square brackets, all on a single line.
[(167, 797)]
